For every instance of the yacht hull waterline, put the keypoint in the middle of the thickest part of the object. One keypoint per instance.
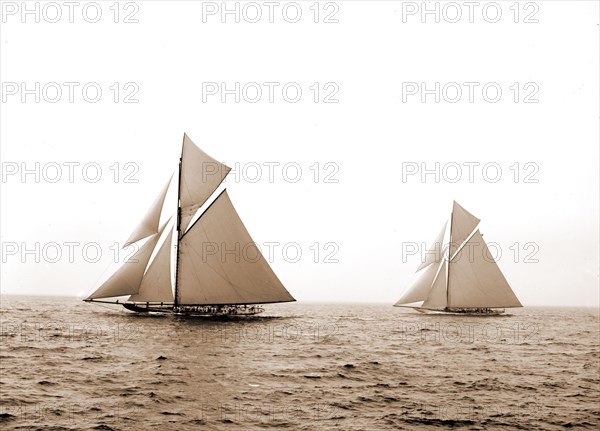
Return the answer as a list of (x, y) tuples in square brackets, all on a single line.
[(202, 310), (484, 311), (184, 265), (189, 310)]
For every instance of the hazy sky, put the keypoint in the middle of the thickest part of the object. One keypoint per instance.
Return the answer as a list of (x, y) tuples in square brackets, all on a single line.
[(360, 199)]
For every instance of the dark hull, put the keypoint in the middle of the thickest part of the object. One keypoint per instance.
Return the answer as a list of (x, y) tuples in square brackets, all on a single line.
[(468, 311), (483, 311), (165, 309), (203, 311)]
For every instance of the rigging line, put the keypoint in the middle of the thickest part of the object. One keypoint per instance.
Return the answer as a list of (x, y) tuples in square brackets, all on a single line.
[(108, 307), (110, 264), (101, 276)]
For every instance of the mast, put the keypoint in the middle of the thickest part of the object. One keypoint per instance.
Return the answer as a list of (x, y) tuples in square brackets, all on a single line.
[(176, 296), (449, 261)]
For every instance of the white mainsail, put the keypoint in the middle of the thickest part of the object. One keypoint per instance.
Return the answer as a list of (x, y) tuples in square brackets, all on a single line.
[(127, 279), (470, 279), (149, 224), (475, 280), (220, 263), (200, 177), (156, 284)]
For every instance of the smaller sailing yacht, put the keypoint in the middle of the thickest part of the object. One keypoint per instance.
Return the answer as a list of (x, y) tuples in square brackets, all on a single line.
[(461, 278), (219, 269)]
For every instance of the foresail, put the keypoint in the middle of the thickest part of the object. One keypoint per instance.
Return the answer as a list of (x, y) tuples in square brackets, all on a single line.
[(421, 287), (200, 177), (435, 251), (149, 224), (156, 282), (463, 224), (437, 299), (126, 280), (475, 280), (219, 263)]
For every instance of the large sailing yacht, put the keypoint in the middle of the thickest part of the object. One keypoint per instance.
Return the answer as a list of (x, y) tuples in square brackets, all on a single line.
[(462, 277), (209, 279)]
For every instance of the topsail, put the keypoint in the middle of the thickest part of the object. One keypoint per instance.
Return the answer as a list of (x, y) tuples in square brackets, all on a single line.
[(200, 177)]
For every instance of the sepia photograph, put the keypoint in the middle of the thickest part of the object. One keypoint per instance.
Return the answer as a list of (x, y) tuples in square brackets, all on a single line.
[(353, 215)]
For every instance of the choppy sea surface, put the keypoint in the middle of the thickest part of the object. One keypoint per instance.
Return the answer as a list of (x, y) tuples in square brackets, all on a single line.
[(68, 365)]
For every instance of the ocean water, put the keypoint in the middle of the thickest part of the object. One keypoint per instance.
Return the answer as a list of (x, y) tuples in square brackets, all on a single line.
[(68, 365)]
